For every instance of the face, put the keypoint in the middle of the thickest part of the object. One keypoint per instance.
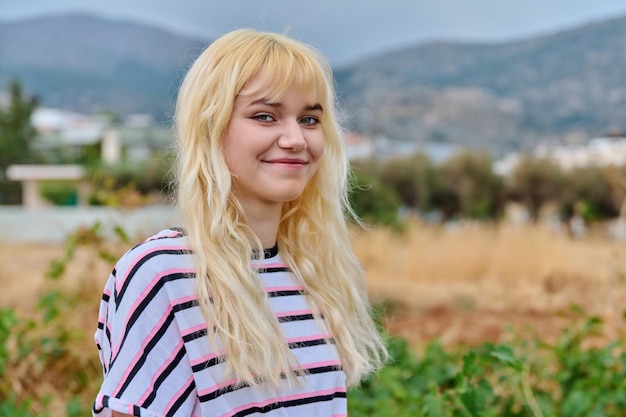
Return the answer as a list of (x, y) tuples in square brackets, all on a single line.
[(273, 146)]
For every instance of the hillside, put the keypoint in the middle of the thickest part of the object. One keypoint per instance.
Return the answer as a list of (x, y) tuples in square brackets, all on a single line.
[(569, 84), (86, 63)]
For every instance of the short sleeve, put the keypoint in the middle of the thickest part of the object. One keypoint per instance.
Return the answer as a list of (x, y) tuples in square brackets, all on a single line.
[(146, 370)]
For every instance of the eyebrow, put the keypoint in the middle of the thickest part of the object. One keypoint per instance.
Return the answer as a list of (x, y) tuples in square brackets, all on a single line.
[(268, 102)]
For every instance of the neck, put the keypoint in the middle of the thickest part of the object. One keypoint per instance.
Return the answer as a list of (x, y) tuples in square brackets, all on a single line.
[(264, 222)]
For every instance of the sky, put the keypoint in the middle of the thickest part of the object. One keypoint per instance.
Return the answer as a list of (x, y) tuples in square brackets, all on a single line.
[(344, 30)]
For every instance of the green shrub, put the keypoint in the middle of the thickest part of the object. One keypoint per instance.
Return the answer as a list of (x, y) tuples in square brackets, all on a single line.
[(60, 193), (531, 378)]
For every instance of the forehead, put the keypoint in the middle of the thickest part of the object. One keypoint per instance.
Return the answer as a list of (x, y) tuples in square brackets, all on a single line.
[(273, 88)]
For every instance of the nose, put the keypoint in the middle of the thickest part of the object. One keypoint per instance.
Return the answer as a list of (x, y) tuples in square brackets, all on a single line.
[(292, 137)]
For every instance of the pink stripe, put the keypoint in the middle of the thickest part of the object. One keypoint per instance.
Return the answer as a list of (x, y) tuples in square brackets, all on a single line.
[(217, 387), (120, 282), (172, 233), (334, 362), (286, 288), (140, 351), (308, 338), (107, 292), (147, 290), (99, 400), (206, 358), (167, 362), (293, 313), (177, 395), (286, 398), (184, 299), (274, 265), (190, 330)]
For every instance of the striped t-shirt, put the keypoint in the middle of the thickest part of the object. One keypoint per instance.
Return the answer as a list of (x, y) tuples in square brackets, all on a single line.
[(156, 357)]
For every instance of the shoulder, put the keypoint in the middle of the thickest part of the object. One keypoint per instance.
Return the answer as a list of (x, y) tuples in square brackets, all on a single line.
[(153, 262), (166, 243)]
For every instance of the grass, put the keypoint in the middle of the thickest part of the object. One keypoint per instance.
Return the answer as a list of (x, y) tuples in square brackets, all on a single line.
[(488, 275)]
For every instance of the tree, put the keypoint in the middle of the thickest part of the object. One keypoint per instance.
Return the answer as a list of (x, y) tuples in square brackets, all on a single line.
[(471, 188), (371, 199), (16, 136), (535, 182), (413, 179), (589, 194)]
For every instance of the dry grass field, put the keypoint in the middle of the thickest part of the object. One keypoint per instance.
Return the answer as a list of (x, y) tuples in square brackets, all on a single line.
[(462, 285), (469, 284)]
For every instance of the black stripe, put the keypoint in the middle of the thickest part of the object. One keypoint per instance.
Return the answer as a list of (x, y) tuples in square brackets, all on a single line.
[(142, 360), (107, 331), (147, 300), (309, 343), (163, 376), (297, 317), (267, 253), (207, 364), (290, 403), (287, 293), (100, 325), (195, 335), (180, 400), (324, 369), (273, 269), (106, 297), (186, 305), (234, 387), (142, 261), (136, 411), (213, 395)]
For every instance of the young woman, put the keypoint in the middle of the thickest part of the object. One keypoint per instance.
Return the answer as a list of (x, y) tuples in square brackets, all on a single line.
[(258, 306)]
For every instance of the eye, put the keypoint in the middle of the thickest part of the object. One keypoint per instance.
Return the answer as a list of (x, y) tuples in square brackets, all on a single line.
[(263, 117), (309, 120)]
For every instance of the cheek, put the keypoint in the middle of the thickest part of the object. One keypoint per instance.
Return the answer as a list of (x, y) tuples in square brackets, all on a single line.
[(316, 146)]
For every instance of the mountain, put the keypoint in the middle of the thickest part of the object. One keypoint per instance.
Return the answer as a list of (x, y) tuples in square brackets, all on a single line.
[(569, 85), (81, 62)]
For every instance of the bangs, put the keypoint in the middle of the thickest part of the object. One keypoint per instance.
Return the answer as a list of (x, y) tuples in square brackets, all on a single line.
[(281, 68)]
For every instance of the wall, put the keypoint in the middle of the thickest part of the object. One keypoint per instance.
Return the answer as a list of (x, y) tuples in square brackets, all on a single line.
[(55, 224)]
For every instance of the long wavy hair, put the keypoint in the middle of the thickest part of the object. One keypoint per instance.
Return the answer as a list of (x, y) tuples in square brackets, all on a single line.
[(313, 234)]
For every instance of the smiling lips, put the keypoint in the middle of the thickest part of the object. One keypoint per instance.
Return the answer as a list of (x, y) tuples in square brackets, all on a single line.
[(288, 161)]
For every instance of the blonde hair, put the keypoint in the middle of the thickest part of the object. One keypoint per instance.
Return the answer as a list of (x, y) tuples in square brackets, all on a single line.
[(313, 234)]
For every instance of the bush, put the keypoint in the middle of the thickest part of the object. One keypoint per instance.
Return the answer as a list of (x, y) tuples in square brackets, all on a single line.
[(373, 200), (525, 378), (60, 193)]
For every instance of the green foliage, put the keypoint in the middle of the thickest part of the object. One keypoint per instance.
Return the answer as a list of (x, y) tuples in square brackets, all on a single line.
[(16, 135), (60, 193), (111, 182), (535, 182), (592, 194), (373, 200), (567, 378), (42, 357), (414, 179), (466, 186), (474, 187)]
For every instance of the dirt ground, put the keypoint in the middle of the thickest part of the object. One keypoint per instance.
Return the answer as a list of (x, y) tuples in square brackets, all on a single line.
[(461, 287)]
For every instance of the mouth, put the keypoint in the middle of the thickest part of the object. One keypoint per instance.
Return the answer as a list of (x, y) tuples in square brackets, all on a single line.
[(287, 161)]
